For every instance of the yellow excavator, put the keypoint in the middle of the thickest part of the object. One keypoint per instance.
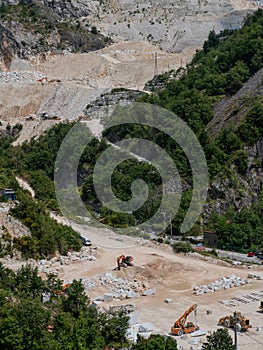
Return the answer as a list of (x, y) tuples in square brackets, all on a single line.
[(181, 326)]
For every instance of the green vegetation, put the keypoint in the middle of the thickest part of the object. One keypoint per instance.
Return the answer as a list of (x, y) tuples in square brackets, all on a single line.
[(219, 340), (239, 231), (182, 247), (155, 342), (66, 321), (215, 72), (219, 70), (48, 237)]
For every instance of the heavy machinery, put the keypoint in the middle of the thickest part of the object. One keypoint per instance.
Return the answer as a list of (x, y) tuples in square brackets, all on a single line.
[(124, 261), (63, 290), (181, 326), (242, 323), (261, 306)]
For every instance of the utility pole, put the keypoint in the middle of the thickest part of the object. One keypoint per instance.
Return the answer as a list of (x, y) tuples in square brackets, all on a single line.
[(235, 329)]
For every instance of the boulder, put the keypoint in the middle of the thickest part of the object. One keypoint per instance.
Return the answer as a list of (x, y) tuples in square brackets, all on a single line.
[(149, 292), (168, 300)]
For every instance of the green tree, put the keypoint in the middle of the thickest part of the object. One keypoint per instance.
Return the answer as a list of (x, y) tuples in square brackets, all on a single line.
[(113, 328), (219, 340), (75, 300), (155, 342), (28, 282)]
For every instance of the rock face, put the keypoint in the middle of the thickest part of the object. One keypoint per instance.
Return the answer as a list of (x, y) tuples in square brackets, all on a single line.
[(70, 8), (238, 192), (45, 26), (231, 110), (171, 24), (65, 9), (8, 47)]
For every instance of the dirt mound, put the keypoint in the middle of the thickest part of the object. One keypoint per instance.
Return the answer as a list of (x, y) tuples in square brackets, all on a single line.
[(154, 272)]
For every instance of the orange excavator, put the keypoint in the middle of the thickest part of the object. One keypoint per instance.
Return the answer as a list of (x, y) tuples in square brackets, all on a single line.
[(63, 290), (124, 261), (180, 326)]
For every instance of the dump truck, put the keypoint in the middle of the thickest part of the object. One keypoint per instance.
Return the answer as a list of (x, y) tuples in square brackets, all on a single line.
[(242, 323), (181, 327)]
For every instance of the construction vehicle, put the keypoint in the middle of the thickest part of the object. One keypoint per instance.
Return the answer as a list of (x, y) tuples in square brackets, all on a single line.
[(261, 306), (242, 323), (124, 261), (63, 290), (181, 326)]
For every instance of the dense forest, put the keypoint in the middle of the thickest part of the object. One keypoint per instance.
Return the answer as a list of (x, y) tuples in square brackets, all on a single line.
[(218, 70)]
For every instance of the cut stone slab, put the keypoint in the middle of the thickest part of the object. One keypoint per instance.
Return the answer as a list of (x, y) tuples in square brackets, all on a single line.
[(168, 300), (146, 327), (108, 297), (131, 294), (134, 318), (149, 292), (99, 298)]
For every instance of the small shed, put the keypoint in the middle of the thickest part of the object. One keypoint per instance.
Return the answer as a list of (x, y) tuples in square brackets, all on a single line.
[(9, 193), (211, 239)]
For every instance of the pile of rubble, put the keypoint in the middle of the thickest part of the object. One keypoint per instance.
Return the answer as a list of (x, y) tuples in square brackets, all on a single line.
[(52, 265), (223, 283), (120, 288), (20, 77), (257, 277)]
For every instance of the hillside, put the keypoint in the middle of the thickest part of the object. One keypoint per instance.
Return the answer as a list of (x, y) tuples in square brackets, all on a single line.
[(55, 292), (31, 29), (215, 76), (171, 25), (45, 38)]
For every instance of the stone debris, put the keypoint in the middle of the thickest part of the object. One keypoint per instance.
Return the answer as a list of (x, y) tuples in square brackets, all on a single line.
[(52, 265), (255, 276), (149, 292), (87, 283), (45, 297), (122, 288), (168, 300), (133, 318), (108, 297), (223, 283), (20, 77)]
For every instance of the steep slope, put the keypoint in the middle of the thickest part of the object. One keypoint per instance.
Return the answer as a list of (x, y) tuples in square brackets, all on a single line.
[(31, 28), (172, 25), (230, 111)]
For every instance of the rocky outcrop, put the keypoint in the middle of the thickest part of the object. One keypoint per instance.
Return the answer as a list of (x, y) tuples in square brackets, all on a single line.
[(235, 191), (231, 110), (9, 47), (70, 8), (64, 9), (45, 26)]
